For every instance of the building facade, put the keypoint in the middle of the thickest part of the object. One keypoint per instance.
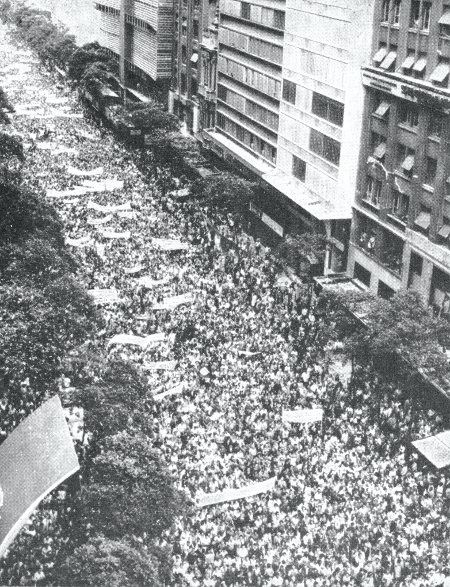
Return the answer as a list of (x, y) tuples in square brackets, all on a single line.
[(192, 95), (290, 106), (401, 228), (140, 34)]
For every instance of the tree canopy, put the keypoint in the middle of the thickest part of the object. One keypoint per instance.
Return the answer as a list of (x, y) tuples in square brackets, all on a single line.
[(224, 191)]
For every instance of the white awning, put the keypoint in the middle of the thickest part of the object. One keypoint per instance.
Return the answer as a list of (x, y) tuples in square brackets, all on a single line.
[(408, 62), (423, 220), (445, 18), (380, 151), (382, 109), (408, 163), (440, 73), (389, 60), (444, 232), (420, 64), (380, 55), (194, 57)]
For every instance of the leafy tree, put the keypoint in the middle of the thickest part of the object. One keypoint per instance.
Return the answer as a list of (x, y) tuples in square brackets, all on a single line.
[(224, 191), (87, 55), (11, 158), (5, 106), (5, 11), (109, 563), (153, 118), (294, 250), (95, 75), (58, 49), (130, 491)]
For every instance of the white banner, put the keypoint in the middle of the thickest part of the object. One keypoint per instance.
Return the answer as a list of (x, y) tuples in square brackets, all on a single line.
[(76, 191), (173, 302), (107, 185), (170, 244), (176, 390), (141, 341), (68, 150), (108, 208), (99, 221), (306, 416), (115, 235), (133, 270), (160, 365), (249, 353), (81, 173), (104, 295), (233, 494), (83, 241), (55, 101), (149, 283)]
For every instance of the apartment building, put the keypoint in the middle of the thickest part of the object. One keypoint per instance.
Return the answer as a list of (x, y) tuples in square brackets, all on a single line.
[(140, 34), (289, 109), (192, 95), (401, 230)]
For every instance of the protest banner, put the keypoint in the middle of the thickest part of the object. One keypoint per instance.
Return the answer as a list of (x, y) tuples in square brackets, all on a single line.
[(104, 295), (149, 283), (81, 173), (68, 150), (226, 495), (106, 185), (176, 390), (83, 241), (108, 208), (170, 244), (172, 302), (141, 341), (303, 416), (99, 221), (249, 353), (133, 270), (34, 459), (115, 235), (73, 192), (160, 365)]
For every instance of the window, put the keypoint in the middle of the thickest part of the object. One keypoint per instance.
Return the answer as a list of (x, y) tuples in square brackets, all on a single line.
[(419, 17), (384, 291), (414, 16), (430, 171), (426, 12), (400, 206), (245, 10), (408, 114), (396, 12), (289, 91), (298, 168), (391, 251), (423, 220), (373, 191), (390, 11), (415, 264), (436, 125), (378, 146), (362, 275), (195, 29), (385, 10), (278, 19), (328, 109), (220, 120), (366, 234), (325, 146), (444, 24), (183, 54)]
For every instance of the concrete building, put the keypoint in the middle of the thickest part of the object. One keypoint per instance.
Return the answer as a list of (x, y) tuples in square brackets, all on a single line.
[(401, 229), (289, 109), (141, 37)]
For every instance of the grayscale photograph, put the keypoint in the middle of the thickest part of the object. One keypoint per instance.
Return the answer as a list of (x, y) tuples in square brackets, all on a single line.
[(224, 293)]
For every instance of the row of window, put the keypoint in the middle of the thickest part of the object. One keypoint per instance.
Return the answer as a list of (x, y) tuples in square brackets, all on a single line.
[(247, 138), (322, 106), (265, 16), (257, 80), (325, 146), (137, 22), (107, 9), (252, 45), (412, 65), (419, 14), (408, 115), (248, 107)]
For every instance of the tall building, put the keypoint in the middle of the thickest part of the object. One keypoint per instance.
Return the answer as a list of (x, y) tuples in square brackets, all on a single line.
[(401, 229), (141, 36), (192, 96), (289, 108)]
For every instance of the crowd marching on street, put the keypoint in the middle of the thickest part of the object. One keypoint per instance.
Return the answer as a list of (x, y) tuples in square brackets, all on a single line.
[(350, 505)]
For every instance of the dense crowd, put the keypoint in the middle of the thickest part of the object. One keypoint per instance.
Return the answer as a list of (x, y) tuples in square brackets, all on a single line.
[(351, 505)]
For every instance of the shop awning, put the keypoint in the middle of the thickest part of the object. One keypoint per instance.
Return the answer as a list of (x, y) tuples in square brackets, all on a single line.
[(440, 73), (380, 55), (436, 449), (423, 220), (389, 60)]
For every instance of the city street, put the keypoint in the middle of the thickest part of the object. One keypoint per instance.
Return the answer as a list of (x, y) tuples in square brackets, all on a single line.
[(227, 348)]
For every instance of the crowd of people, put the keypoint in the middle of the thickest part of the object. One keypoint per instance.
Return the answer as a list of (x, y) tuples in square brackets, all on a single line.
[(351, 504)]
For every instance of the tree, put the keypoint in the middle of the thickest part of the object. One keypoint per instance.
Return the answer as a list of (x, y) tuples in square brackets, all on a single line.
[(153, 118), (109, 563), (11, 158), (224, 191), (95, 75), (5, 106), (130, 491), (87, 55), (58, 49)]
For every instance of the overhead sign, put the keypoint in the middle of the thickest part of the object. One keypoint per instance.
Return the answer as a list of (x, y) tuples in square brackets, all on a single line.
[(34, 459)]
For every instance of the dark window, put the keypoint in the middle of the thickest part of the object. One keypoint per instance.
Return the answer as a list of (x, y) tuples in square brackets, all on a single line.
[(405, 160), (385, 10), (414, 15), (222, 92), (415, 264), (220, 120), (436, 125), (362, 274), (408, 114), (278, 19), (373, 191), (289, 91), (298, 168), (195, 29), (430, 172), (325, 146), (245, 10), (400, 205), (385, 291), (328, 109), (194, 86)]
